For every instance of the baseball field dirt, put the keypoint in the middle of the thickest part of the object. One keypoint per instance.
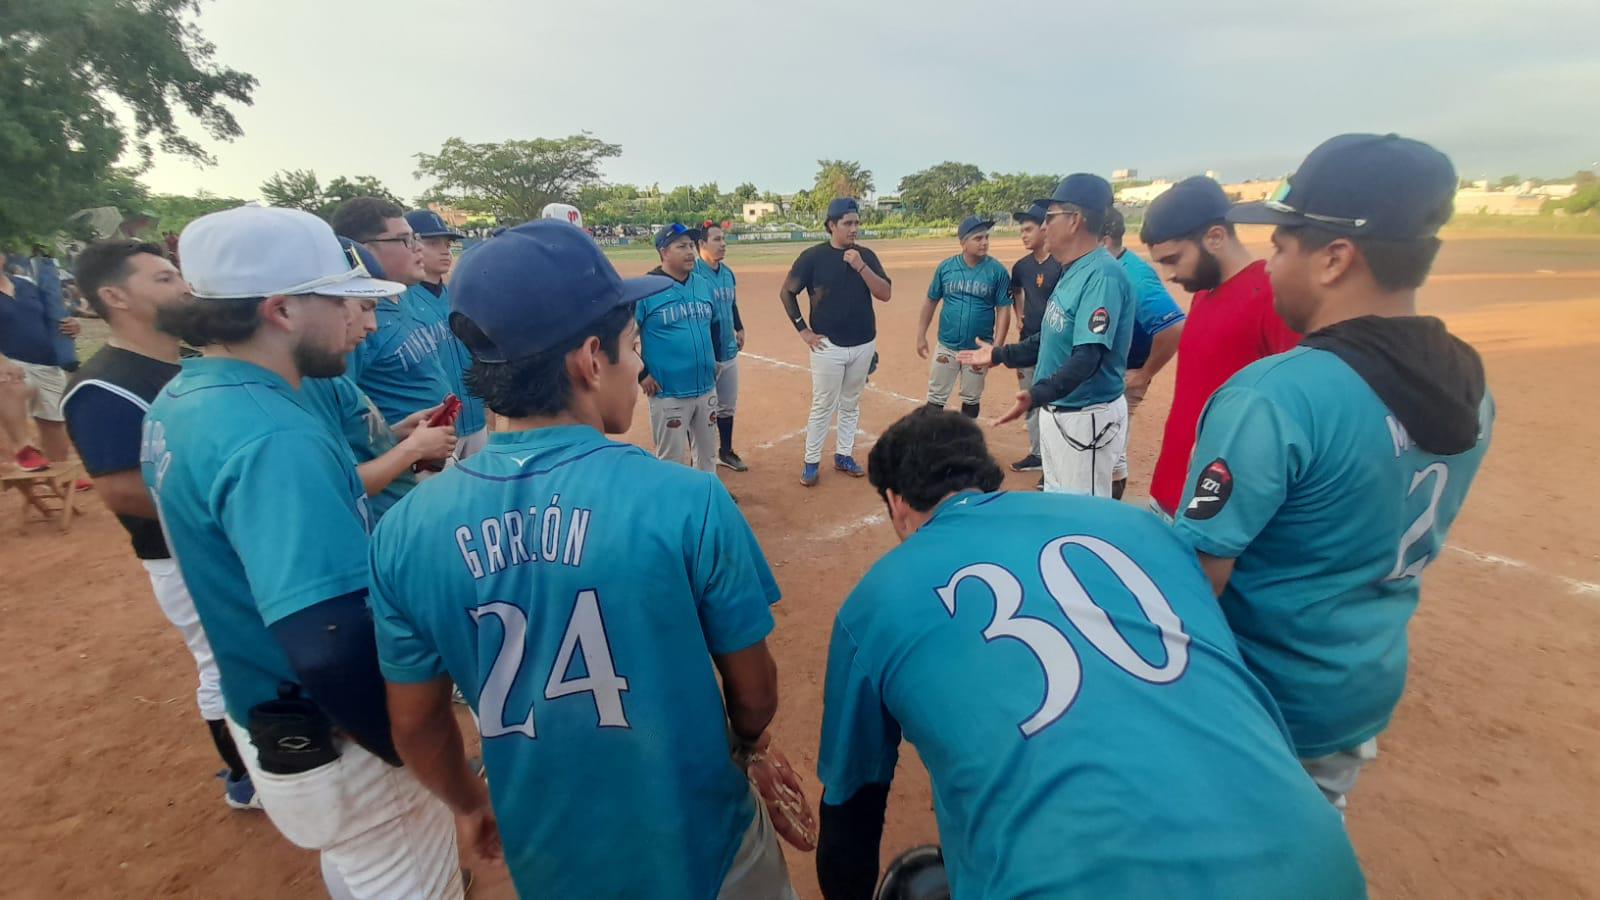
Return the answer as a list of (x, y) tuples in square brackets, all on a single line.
[(1488, 779)]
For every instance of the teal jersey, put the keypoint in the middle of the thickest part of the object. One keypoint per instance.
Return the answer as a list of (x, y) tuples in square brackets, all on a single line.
[(1303, 477), (355, 420), (1066, 677), (970, 295), (454, 358), (261, 507), (724, 292), (1093, 303), (399, 365), (576, 589), (675, 337)]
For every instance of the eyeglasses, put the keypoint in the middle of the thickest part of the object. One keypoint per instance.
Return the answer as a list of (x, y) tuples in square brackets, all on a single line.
[(411, 241), (1280, 206), (1060, 212)]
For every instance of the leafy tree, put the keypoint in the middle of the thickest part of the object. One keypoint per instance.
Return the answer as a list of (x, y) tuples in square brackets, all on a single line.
[(1007, 193), (838, 178), (173, 211), (341, 189), (746, 192), (61, 64), (514, 179), (301, 189), (940, 192)]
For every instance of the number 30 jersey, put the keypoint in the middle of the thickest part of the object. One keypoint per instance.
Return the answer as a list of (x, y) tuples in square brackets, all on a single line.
[(1087, 724), (576, 589), (1317, 489)]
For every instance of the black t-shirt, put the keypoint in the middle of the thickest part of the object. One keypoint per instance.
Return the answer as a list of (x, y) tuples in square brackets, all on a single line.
[(105, 407), (841, 304), (1035, 280)]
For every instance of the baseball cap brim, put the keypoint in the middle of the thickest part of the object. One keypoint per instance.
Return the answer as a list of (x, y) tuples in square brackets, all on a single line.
[(361, 286), (980, 226), (1261, 214), (452, 235)]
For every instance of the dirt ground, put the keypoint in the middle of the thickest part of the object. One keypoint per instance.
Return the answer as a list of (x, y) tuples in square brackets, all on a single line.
[(1489, 778)]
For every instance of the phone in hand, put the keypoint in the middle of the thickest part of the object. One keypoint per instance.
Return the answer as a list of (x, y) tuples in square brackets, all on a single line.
[(446, 415)]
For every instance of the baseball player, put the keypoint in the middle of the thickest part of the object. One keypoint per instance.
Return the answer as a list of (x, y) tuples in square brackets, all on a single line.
[(1106, 742), (431, 297), (841, 278), (1033, 278), (1326, 478), (1157, 324), (1082, 347), (585, 597), (1231, 322), (679, 334), (712, 245), (127, 283), (268, 521), (975, 292), (402, 366)]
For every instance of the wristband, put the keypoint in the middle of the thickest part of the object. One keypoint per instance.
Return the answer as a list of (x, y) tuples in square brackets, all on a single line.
[(799, 323)]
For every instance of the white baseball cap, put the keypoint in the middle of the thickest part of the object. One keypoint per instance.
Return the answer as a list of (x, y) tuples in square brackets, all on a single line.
[(262, 251)]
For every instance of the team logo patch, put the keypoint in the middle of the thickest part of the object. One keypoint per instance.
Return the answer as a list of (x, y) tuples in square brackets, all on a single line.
[(942, 360), (1038, 280), (674, 423), (1211, 490), (1099, 321)]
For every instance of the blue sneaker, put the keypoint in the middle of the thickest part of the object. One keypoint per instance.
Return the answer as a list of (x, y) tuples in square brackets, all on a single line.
[(847, 465), (808, 475), (239, 794)]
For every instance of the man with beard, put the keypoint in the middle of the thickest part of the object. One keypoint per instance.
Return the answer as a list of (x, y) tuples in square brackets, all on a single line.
[(1231, 322), (268, 521)]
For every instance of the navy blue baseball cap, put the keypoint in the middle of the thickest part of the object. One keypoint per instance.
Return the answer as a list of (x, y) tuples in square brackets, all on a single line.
[(972, 225), (1187, 206), (1034, 213), (429, 224), (1083, 190), (1381, 186), (670, 233), (533, 287), (360, 255), (842, 207)]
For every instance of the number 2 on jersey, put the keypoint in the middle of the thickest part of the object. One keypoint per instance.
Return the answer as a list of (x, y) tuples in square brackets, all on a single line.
[(1063, 670), (1422, 525), (585, 638)]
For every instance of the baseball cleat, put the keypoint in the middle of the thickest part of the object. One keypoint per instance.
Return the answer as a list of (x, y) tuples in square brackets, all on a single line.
[(1029, 463), (731, 460), (847, 465), (239, 794), (31, 460), (808, 475)]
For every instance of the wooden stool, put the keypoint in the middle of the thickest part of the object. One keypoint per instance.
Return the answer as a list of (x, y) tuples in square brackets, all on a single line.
[(49, 491)]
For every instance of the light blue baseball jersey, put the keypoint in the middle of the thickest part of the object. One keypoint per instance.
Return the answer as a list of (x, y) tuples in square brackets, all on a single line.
[(1154, 309), (576, 589), (356, 421), (454, 357), (1093, 303), (261, 507), (1088, 726), (399, 365), (724, 291), (970, 295), (675, 337), (1330, 511)]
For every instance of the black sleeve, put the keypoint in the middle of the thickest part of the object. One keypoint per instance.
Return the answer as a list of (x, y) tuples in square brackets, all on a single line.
[(1080, 365), (738, 323), (872, 260), (716, 332), (334, 652), (798, 279), (847, 844), (1020, 355), (1016, 282)]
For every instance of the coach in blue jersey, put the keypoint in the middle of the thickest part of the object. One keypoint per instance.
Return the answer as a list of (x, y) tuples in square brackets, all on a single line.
[(268, 522), (972, 292), (432, 300), (1106, 742), (585, 597), (711, 266), (1325, 479), (680, 337)]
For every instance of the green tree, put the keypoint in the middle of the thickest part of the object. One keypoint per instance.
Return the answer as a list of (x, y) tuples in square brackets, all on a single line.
[(515, 179), (301, 189), (61, 65), (940, 192), (1008, 193), (838, 178), (173, 211), (746, 192)]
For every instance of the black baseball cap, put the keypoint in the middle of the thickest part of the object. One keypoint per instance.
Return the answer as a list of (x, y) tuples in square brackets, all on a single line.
[(972, 225), (1381, 186), (670, 233), (842, 206), (1184, 208), (531, 288), (1034, 213), (1082, 189)]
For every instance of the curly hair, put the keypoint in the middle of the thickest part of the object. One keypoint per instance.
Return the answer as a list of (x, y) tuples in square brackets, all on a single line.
[(930, 454)]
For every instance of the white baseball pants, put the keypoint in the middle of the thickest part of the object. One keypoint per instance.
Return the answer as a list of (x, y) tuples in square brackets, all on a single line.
[(686, 425), (1080, 448), (838, 376), (173, 597)]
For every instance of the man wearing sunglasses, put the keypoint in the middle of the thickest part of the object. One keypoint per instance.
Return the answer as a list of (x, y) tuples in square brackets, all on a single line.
[(1231, 323), (400, 366)]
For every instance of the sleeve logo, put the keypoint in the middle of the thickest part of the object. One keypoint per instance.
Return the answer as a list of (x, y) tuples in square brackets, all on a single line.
[(1099, 321), (1211, 491)]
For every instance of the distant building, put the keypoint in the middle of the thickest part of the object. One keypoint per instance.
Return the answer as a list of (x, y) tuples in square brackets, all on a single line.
[(1552, 191), (1251, 191), (1496, 203), (888, 203), (755, 209), (453, 217), (1124, 174), (1144, 193)]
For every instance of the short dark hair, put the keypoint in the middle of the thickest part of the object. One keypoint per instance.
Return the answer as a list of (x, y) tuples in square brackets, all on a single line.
[(200, 323), (538, 385), (363, 218), (702, 233), (1395, 265), (1115, 227), (104, 264), (930, 454)]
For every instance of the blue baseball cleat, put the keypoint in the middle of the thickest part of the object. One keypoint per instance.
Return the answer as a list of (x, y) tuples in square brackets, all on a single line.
[(847, 465), (808, 475), (239, 794)]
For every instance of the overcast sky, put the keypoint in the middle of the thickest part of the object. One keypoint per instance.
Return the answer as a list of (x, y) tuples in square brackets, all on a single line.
[(732, 92)]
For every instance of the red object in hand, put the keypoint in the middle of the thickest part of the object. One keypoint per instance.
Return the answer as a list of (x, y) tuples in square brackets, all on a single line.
[(448, 411)]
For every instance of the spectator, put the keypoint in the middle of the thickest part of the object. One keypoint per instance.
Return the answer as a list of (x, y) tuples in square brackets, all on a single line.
[(28, 332)]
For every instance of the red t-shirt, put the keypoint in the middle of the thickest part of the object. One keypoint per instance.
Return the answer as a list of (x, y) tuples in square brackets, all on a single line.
[(1227, 329)]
